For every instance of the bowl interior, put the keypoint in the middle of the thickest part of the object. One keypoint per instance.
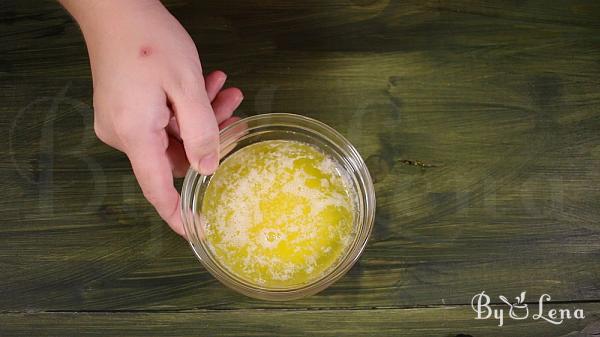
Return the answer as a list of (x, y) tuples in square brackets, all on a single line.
[(282, 127)]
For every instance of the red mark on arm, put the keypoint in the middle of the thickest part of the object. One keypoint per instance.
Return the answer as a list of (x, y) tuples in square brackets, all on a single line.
[(145, 51)]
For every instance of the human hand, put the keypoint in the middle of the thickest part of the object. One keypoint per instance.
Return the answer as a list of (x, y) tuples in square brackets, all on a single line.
[(151, 100)]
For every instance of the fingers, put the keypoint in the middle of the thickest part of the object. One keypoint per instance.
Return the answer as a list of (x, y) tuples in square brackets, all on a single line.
[(224, 106), (173, 129), (213, 83), (226, 102), (238, 132), (152, 169), (197, 124), (176, 152), (177, 157), (228, 122)]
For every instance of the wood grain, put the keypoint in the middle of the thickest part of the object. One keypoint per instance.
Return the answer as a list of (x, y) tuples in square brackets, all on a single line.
[(418, 322), (479, 120)]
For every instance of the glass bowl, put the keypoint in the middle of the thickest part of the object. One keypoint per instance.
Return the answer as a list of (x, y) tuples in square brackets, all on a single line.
[(282, 126)]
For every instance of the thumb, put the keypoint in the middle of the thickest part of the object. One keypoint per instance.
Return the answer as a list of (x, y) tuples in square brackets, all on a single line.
[(198, 126)]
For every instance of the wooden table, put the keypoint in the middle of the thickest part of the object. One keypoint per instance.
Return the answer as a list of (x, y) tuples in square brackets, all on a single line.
[(479, 121)]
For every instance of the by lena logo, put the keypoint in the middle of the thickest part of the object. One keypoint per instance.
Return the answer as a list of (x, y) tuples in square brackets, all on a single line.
[(519, 310)]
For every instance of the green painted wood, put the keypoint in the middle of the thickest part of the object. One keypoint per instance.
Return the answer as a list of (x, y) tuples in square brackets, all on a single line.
[(479, 120), (440, 321)]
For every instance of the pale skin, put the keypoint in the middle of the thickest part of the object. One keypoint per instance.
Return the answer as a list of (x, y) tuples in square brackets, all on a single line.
[(151, 99)]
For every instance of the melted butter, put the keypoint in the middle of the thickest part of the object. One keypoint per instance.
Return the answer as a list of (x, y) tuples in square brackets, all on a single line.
[(279, 213)]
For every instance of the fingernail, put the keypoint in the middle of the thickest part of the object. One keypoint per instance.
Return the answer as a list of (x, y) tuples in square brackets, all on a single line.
[(209, 164)]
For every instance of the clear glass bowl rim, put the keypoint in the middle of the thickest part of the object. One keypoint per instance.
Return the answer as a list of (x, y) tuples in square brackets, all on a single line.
[(365, 210)]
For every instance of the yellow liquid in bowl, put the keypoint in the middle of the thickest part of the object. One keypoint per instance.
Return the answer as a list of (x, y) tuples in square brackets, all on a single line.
[(280, 213)]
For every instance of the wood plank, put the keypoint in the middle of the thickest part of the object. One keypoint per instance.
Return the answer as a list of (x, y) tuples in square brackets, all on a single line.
[(442, 321), (501, 100)]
